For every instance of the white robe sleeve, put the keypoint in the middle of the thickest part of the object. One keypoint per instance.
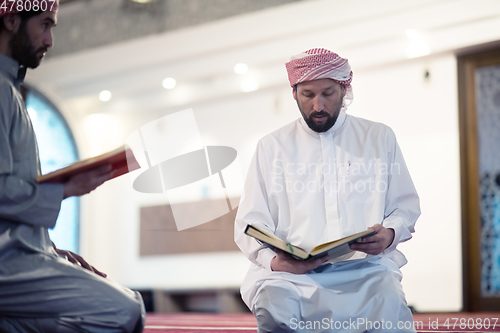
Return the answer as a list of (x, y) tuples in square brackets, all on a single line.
[(254, 208), (402, 205)]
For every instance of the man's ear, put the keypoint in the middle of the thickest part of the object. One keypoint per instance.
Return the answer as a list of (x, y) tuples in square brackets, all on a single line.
[(11, 23), (344, 90), (294, 92)]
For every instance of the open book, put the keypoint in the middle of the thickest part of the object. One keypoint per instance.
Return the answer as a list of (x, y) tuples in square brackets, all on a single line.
[(122, 161), (334, 249)]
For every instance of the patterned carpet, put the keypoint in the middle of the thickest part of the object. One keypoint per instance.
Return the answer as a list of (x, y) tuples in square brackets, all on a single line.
[(228, 323), (194, 323)]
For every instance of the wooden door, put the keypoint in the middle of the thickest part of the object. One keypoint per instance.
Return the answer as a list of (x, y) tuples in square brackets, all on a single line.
[(479, 119)]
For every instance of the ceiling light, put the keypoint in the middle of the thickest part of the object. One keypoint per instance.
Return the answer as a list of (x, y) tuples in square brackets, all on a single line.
[(249, 85), (411, 33), (417, 48), (240, 68), (169, 83), (105, 95)]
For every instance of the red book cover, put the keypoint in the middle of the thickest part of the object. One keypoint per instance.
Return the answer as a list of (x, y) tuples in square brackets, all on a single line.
[(122, 161)]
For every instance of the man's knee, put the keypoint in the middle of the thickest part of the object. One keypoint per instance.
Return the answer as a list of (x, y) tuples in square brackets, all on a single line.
[(277, 309), (122, 313), (389, 304), (387, 290), (25, 325), (268, 323), (132, 314)]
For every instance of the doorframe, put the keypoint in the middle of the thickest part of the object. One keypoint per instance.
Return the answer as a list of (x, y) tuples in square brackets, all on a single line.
[(469, 174)]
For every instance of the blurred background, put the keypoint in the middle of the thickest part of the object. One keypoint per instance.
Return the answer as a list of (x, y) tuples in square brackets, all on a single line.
[(118, 65)]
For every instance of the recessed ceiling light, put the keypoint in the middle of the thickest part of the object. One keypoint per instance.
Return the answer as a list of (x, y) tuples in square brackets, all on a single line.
[(411, 33), (417, 48), (105, 95), (249, 85), (240, 68), (169, 83)]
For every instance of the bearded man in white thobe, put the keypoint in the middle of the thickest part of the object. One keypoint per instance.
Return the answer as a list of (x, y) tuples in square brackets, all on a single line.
[(322, 177), (42, 288)]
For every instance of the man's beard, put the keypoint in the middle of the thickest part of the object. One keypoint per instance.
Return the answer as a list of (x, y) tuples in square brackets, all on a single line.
[(330, 120), (23, 50)]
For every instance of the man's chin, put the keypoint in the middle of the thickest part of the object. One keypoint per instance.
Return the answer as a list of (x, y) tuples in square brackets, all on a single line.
[(32, 64), (319, 123), (321, 126)]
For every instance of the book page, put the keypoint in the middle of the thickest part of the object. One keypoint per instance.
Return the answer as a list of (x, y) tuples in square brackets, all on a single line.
[(273, 240), (330, 245)]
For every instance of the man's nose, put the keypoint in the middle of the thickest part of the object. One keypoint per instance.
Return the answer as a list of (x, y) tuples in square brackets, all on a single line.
[(48, 41), (318, 103)]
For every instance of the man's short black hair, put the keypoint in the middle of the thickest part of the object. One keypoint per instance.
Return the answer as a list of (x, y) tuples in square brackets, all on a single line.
[(25, 16)]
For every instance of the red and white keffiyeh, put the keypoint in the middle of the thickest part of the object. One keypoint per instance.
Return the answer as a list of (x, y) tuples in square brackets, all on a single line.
[(15, 6), (319, 63)]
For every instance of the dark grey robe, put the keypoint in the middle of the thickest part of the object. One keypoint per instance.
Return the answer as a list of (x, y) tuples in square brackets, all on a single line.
[(40, 291)]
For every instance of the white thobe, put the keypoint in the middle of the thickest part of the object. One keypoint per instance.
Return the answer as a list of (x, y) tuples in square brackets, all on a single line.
[(310, 188), (39, 290)]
